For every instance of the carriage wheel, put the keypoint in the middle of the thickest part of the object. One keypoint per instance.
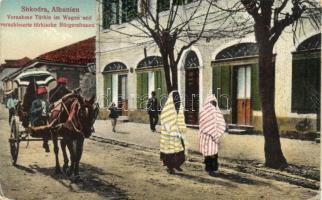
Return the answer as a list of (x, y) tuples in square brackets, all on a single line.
[(14, 141)]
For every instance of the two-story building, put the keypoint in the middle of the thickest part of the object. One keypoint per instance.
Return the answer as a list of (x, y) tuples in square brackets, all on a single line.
[(129, 68)]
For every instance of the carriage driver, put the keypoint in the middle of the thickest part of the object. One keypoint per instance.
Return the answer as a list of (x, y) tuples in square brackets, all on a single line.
[(59, 91), (39, 112)]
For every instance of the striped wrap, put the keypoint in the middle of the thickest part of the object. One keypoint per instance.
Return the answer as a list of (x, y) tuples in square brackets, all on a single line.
[(172, 128), (211, 127)]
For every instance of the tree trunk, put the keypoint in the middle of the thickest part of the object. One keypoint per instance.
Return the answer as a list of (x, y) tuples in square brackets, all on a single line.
[(166, 68), (174, 70), (274, 157)]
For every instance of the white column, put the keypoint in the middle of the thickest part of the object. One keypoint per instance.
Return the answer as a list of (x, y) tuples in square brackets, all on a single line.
[(150, 83), (115, 88)]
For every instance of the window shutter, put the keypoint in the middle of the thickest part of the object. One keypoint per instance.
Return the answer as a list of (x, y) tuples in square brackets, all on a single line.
[(216, 77), (298, 86), (138, 90), (142, 90), (221, 79), (225, 87), (255, 95), (107, 89), (159, 79)]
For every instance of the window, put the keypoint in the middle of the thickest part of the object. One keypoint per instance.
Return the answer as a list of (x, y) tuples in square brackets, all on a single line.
[(238, 51), (148, 82), (163, 5), (110, 13), (144, 6), (115, 82), (181, 2), (306, 78), (306, 85), (129, 10), (150, 78)]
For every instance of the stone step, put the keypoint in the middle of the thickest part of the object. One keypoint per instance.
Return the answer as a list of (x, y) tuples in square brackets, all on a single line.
[(123, 119), (236, 131)]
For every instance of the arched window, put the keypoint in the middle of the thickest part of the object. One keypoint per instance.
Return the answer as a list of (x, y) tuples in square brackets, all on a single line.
[(150, 77), (192, 60), (115, 67), (150, 62), (306, 78), (235, 77), (115, 84), (238, 50), (310, 44)]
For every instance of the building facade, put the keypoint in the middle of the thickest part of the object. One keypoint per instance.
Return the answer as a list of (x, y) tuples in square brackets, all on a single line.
[(129, 68), (7, 68), (76, 62)]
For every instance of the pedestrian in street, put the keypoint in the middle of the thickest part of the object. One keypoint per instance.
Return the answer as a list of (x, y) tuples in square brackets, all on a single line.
[(113, 115), (11, 105), (39, 113), (153, 111), (211, 128), (172, 145)]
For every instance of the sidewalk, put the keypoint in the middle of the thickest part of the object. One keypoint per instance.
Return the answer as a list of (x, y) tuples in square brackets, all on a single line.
[(240, 147)]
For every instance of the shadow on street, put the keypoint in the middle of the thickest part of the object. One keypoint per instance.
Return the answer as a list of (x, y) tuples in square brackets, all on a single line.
[(91, 180)]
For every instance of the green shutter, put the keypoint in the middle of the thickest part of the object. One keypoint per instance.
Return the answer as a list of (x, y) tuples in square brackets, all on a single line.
[(221, 79), (142, 90), (306, 85), (255, 95), (138, 90), (225, 87), (159, 82), (164, 90), (216, 77), (312, 86), (107, 89), (298, 83)]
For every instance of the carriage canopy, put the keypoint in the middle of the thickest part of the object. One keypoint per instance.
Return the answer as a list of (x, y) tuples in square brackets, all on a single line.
[(42, 78)]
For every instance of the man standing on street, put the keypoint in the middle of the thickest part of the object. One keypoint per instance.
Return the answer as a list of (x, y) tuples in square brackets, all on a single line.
[(11, 105), (153, 111)]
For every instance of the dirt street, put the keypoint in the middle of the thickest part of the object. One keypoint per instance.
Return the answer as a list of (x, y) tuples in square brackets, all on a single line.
[(114, 172)]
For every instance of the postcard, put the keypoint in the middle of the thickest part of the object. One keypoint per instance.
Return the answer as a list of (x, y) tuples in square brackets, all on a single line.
[(160, 99)]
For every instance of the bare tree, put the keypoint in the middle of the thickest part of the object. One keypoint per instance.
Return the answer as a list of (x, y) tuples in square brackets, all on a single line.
[(270, 18), (177, 25)]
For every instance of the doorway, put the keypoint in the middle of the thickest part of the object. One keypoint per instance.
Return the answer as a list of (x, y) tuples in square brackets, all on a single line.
[(242, 94), (192, 96)]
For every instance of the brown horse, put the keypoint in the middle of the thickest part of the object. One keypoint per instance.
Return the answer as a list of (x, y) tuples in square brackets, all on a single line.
[(73, 118)]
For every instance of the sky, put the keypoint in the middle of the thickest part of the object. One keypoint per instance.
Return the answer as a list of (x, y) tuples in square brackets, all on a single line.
[(16, 43)]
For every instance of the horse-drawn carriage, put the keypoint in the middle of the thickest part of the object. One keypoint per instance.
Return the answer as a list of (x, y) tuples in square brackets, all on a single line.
[(70, 118)]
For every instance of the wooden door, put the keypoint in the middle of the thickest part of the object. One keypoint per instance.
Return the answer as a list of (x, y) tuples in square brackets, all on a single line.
[(192, 96), (244, 95)]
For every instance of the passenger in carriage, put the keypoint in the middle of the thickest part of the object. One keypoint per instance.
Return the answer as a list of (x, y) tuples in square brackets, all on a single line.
[(39, 112), (30, 96), (59, 91)]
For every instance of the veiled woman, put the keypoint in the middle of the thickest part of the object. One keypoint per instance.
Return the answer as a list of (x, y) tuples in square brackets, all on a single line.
[(211, 127), (172, 146)]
